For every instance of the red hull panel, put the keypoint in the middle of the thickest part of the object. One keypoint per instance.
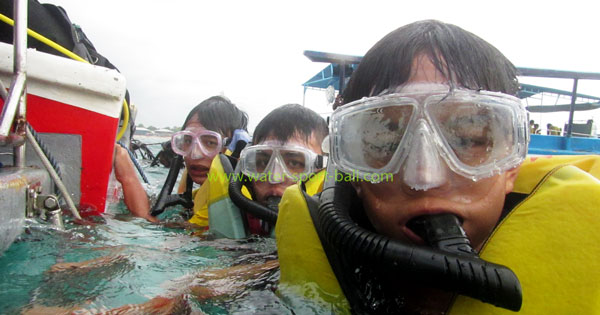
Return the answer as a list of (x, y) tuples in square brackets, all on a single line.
[(98, 133)]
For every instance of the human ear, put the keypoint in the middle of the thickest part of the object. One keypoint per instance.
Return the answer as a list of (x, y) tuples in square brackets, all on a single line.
[(510, 177), (224, 144)]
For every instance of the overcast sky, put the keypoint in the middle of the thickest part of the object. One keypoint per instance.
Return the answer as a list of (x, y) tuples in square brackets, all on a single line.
[(176, 53)]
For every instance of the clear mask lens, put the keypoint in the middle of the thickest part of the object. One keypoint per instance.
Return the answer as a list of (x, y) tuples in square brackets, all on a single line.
[(196, 145), (477, 134), (474, 133), (182, 143), (278, 163), (371, 137)]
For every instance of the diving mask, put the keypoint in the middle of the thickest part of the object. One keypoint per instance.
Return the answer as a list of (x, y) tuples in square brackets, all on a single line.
[(279, 163), (196, 144), (476, 133)]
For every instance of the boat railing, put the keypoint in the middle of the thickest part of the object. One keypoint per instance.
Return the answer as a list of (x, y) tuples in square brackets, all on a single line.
[(15, 102), (582, 135)]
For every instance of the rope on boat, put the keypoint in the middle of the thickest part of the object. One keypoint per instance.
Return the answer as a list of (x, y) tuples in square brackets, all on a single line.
[(135, 162), (57, 181), (50, 157)]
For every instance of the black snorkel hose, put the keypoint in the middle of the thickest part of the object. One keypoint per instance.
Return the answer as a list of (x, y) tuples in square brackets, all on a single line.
[(452, 265), (267, 214), (165, 199)]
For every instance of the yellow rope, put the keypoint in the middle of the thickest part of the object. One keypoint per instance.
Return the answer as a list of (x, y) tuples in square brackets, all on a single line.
[(71, 55)]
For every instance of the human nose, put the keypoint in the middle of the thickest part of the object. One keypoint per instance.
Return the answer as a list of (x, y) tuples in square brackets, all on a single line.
[(423, 169)]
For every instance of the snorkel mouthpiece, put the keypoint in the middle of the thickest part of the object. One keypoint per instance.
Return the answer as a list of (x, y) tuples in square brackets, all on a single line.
[(273, 203), (442, 231)]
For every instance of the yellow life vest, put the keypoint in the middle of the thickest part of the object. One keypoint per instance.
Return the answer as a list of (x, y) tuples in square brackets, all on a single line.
[(550, 240), (212, 206), (225, 218), (200, 197), (305, 270)]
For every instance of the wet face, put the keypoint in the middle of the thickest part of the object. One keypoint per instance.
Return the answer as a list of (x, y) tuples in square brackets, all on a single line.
[(262, 190), (390, 205), (197, 168)]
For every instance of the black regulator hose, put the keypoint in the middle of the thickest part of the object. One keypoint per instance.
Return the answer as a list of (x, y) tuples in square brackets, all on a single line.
[(452, 265), (254, 208), (165, 199)]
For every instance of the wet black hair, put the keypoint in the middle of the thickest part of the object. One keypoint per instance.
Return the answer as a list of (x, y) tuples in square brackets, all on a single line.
[(462, 57), (288, 120), (217, 113)]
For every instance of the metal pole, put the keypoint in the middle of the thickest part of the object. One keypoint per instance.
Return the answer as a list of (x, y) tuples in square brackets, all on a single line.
[(342, 76), (572, 110), (304, 97), (20, 67), (11, 104), (16, 99)]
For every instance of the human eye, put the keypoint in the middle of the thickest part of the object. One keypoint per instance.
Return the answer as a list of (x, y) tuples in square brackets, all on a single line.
[(294, 161), (383, 132), (186, 141), (470, 137), (210, 142), (471, 131), (295, 164), (379, 145), (261, 161)]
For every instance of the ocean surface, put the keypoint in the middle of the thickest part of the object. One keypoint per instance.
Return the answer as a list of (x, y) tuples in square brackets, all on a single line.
[(121, 260)]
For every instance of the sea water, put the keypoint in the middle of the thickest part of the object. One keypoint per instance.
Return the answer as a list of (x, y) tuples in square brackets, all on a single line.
[(128, 260)]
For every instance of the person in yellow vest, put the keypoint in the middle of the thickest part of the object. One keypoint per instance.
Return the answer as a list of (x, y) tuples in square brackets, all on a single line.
[(532, 127), (203, 134), (207, 131), (414, 216), (286, 149), (553, 130)]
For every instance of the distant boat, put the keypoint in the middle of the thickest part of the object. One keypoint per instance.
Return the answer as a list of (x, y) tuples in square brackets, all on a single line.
[(141, 131), (163, 132)]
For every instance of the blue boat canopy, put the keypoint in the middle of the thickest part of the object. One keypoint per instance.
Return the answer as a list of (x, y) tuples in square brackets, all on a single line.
[(330, 75)]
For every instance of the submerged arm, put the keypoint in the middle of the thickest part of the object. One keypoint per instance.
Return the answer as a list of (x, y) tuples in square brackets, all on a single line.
[(134, 195)]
